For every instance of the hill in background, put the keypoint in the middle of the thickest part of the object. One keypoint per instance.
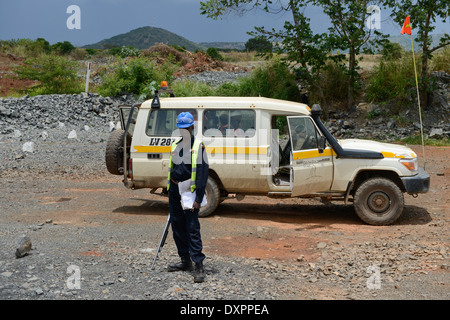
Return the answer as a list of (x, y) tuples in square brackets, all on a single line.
[(145, 37), (224, 45), (405, 41)]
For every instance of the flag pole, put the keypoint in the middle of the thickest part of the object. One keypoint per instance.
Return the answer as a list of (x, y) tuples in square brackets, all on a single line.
[(418, 102)]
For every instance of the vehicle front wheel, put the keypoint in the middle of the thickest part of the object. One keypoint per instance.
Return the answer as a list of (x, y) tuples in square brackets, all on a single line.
[(212, 198), (378, 201)]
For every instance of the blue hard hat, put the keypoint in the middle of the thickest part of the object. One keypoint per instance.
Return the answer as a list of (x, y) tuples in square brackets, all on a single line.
[(185, 120)]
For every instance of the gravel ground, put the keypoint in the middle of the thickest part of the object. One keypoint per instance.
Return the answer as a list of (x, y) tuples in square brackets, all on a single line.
[(80, 218)]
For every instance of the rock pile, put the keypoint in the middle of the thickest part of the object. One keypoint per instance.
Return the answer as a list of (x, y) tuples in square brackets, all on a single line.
[(57, 110)]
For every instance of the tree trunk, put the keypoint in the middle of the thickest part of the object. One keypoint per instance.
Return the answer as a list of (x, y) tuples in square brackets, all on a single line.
[(351, 78), (424, 88), (424, 92), (295, 14)]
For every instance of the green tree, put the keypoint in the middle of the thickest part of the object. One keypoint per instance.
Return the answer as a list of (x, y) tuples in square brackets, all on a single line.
[(258, 44), (42, 45), (348, 32), (423, 15), (305, 50), (63, 47)]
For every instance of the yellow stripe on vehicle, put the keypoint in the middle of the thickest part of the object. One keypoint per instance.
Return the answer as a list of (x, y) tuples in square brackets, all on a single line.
[(210, 150), (236, 150), (152, 149), (312, 154), (388, 154)]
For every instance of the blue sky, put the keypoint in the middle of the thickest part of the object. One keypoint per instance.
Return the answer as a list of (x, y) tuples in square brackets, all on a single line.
[(101, 19)]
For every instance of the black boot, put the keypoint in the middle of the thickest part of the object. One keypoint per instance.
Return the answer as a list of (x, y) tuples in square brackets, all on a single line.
[(184, 265), (199, 273)]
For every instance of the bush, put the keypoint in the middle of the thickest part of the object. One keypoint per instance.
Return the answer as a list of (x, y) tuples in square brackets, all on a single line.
[(189, 88), (441, 60), (56, 74), (274, 80), (392, 81), (330, 87), (125, 52), (63, 47), (135, 76), (25, 47), (214, 53), (392, 50)]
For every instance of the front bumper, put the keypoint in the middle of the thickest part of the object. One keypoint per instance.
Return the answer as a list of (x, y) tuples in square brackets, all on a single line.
[(419, 183)]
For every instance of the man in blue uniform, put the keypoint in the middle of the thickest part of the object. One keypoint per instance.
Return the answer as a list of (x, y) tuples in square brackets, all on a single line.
[(188, 160)]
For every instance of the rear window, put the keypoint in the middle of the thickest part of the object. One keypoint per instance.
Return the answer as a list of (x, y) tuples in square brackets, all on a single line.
[(229, 123)]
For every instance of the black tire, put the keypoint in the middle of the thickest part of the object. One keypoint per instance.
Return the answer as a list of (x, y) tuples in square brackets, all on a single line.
[(212, 198), (378, 201), (114, 152)]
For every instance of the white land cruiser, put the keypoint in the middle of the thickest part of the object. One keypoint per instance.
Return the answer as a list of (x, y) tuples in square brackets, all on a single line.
[(246, 156)]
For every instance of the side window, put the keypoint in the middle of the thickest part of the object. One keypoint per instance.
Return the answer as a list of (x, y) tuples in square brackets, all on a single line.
[(163, 122), (229, 123), (304, 134)]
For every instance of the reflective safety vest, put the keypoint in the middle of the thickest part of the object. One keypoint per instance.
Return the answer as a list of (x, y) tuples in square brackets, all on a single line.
[(194, 152)]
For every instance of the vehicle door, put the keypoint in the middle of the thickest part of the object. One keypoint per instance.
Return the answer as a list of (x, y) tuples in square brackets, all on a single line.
[(125, 112), (311, 159)]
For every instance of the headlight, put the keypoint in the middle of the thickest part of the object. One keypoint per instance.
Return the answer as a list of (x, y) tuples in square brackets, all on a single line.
[(410, 164)]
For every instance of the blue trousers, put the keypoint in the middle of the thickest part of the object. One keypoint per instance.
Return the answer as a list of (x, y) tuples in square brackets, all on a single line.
[(185, 227)]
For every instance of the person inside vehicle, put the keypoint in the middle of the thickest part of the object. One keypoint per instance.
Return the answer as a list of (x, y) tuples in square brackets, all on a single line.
[(236, 117), (223, 123)]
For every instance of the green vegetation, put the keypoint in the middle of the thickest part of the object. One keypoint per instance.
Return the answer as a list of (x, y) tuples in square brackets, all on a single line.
[(189, 88), (56, 74), (136, 76), (441, 60), (417, 140), (310, 53), (214, 53), (63, 47), (125, 51), (258, 44), (273, 80), (391, 80)]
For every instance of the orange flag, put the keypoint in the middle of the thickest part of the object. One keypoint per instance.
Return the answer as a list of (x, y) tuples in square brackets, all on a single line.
[(406, 26)]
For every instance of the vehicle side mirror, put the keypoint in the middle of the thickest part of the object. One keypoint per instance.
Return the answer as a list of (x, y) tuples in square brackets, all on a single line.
[(322, 143)]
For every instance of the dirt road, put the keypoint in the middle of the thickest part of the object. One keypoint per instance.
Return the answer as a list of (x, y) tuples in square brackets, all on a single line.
[(289, 249)]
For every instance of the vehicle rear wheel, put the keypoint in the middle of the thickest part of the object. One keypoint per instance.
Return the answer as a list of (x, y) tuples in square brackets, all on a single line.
[(378, 201), (212, 198), (114, 151)]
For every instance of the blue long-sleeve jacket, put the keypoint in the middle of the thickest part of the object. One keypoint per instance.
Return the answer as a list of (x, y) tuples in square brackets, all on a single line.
[(182, 168)]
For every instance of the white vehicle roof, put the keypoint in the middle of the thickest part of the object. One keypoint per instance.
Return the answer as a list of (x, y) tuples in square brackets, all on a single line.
[(231, 103)]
